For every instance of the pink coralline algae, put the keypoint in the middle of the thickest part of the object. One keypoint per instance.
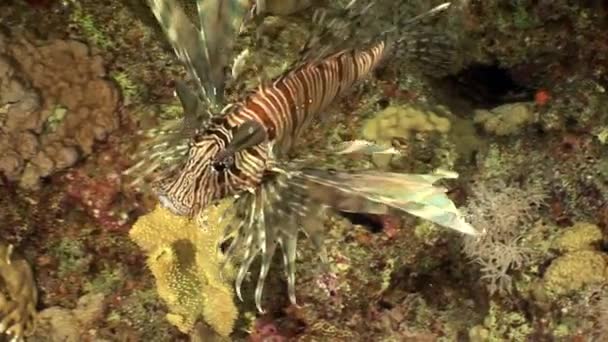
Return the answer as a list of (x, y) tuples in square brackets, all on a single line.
[(265, 331), (390, 225)]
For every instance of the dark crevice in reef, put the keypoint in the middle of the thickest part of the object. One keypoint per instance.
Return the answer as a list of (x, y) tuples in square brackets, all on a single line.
[(486, 86), (371, 222)]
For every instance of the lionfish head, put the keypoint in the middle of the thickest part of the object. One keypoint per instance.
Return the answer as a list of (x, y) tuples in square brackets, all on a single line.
[(220, 162)]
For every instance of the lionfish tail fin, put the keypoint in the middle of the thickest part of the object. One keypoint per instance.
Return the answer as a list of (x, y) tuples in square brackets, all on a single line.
[(431, 53), (378, 192), (336, 29), (426, 49), (412, 39)]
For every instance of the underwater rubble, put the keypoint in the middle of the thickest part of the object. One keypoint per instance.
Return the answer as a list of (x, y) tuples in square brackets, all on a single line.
[(522, 119)]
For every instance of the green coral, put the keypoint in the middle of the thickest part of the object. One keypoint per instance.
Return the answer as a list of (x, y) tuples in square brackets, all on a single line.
[(522, 18), (501, 325), (129, 89), (87, 24), (71, 256), (581, 265), (55, 119), (107, 281)]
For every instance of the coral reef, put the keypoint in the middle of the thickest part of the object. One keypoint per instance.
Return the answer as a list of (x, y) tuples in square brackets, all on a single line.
[(55, 104), (18, 295), (185, 259)]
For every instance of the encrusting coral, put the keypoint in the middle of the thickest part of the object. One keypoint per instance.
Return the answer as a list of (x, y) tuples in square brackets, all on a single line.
[(54, 104), (18, 295), (184, 257)]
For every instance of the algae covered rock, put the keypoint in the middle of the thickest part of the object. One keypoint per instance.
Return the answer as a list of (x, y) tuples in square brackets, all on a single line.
[(184, 258), (501, 324)]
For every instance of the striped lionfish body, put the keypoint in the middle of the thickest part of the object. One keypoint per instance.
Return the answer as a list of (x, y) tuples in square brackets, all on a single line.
[(239, 152), (283, 109)]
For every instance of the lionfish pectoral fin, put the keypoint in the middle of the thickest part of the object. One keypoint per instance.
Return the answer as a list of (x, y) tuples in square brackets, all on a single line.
[(375, 192), (363, 147)]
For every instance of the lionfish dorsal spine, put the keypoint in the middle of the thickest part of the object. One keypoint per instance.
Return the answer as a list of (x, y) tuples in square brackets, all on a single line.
[(220, 21), (205, 50)]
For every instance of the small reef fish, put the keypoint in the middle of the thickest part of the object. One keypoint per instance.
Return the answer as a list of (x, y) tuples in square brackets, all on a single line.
[(241, 150)]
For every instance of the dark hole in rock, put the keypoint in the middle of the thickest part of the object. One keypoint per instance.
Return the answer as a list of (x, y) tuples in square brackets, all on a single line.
[(488, 85), (369, 221)]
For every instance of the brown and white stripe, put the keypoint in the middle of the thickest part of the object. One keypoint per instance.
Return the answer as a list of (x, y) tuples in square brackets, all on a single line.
[(286, 107)]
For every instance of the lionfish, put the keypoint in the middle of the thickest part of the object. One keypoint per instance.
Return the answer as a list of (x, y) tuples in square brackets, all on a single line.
[(240, 149)]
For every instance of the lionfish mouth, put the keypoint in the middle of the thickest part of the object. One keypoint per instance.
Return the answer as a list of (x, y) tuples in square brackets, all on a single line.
[(166, 202)]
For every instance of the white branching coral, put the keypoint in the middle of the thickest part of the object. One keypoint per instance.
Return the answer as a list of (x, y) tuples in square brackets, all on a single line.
[(503, 213)]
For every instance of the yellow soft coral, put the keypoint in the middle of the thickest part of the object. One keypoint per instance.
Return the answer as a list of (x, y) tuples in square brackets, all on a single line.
[(18, 295), (184, 257)]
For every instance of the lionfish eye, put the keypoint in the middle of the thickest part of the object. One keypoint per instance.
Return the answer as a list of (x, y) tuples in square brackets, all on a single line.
[(198, 136), (223, 163)]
